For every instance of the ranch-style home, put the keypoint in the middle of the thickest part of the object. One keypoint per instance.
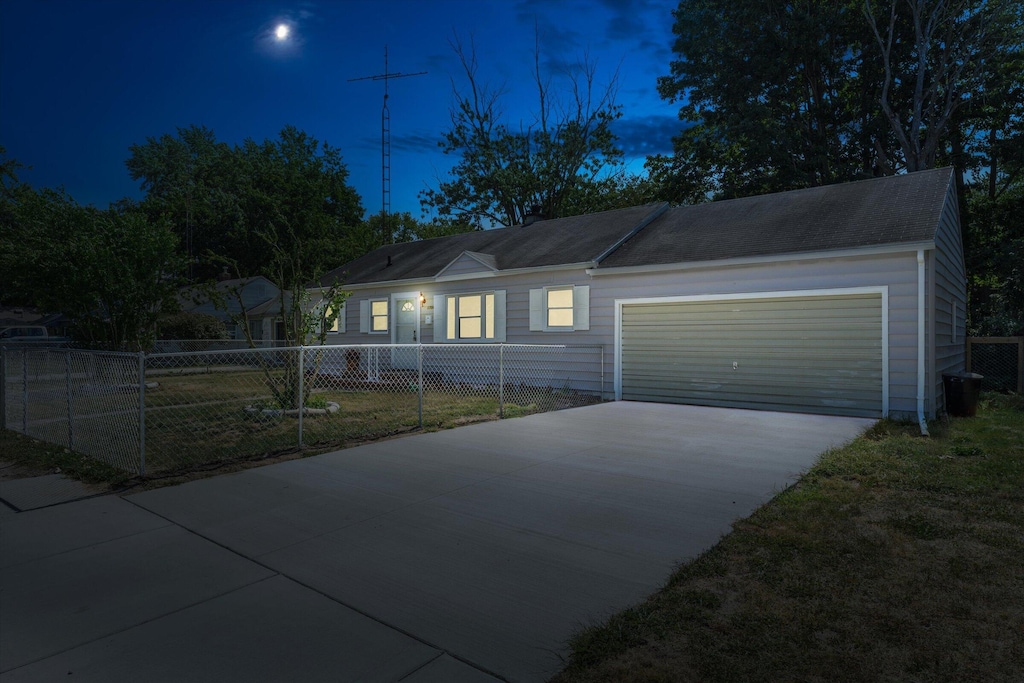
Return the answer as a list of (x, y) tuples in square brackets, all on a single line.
[(847, 299)]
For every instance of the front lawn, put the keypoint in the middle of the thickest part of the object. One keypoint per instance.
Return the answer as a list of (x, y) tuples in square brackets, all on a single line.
[(895, 558)]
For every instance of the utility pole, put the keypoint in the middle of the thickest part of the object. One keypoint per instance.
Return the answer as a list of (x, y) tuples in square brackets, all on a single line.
[(385, 145)]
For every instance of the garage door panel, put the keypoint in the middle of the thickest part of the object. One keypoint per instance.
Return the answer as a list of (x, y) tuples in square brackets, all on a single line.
[(807, 354)]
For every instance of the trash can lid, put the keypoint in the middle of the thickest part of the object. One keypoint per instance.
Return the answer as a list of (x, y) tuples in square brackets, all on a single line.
[(963, 375)]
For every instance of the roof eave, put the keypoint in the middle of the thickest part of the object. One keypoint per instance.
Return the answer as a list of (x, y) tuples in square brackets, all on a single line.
[(767, 258), (583, 265)]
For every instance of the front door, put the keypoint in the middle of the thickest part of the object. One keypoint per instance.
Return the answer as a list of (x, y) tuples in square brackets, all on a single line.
[(407, 329)]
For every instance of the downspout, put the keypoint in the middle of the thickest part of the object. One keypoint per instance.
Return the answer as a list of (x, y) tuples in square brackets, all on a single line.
[(920, 344)]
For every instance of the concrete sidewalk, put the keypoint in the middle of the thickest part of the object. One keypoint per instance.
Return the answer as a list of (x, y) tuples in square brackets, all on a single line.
[(450, 556)]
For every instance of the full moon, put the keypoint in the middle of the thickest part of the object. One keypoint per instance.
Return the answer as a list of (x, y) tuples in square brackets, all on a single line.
[(281, 31)]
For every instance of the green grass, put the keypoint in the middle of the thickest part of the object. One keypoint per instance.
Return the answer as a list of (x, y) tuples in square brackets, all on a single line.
[(40, 458), (895, 558), (197, 420)]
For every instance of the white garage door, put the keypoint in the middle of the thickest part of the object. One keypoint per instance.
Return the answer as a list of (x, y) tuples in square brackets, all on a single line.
[(813, 354)]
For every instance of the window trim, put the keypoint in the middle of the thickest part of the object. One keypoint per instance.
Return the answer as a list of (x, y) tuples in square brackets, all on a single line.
[(548, 327), (488, 305), (540, 311), (386, 316)]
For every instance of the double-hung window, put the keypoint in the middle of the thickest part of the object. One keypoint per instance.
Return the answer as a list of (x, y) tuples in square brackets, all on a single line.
[(379, 316), (374, 316), (563, 308), (471, 316)]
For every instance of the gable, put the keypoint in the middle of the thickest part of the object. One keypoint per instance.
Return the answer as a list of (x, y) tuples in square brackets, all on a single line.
[(469, 263)]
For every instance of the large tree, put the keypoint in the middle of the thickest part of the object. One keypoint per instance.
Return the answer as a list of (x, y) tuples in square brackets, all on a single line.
[(234, 202), (777, 96), (768, 95), (505, 168), (111, 273)]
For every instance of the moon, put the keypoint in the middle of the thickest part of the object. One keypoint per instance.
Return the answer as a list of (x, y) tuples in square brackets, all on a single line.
[(282, 31)]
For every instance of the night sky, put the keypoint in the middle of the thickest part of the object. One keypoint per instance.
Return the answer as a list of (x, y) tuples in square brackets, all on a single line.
[(81, 80)]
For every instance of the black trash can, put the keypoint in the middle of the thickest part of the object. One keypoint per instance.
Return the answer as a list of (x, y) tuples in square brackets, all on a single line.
[(962, 389)]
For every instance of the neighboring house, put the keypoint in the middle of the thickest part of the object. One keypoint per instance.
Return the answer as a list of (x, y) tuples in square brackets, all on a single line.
[(847, 299), (262, 301)]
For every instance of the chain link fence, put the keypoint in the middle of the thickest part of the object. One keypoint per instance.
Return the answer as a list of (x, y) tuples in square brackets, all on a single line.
[(86, 401), (1000, 360), (175, 411)]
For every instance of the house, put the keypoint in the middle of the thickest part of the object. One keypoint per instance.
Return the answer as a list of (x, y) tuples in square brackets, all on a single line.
[(260, 297), (847, 299)]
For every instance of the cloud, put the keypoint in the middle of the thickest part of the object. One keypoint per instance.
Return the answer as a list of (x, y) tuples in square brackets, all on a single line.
[(642, 136), (417, 143)]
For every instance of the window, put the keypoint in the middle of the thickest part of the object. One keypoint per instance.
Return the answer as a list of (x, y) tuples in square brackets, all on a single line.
[(559, 307), (256, 329), (379, 316), (562, 308), (471, 316), (336, 325)]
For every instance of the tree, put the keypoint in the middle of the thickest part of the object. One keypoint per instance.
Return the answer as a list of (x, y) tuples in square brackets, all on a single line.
[(941, 67), (771, 96), (224, 199), (112, 273), (190, 180), (503, 170), (191, 325)]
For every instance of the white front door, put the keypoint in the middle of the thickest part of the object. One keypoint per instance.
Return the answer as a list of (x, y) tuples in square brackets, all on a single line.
[(406, 328)]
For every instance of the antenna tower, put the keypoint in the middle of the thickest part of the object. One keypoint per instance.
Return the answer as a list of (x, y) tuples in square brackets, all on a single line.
[(385, 145)]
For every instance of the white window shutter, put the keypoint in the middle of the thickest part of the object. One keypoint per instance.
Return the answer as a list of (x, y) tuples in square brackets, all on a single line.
[(364, 316), (440, 318), (537, 310), (499, 315), (341, 318), (581, 307)]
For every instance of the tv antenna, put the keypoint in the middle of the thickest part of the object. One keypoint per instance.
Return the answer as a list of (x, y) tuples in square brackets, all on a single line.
[(385, 144)]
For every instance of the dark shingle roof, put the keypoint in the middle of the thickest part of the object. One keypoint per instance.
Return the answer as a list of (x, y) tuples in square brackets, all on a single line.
[(890, 210), (576, 239)]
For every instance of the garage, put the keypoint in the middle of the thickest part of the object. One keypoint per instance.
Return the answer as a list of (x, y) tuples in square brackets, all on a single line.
[(819, 352)]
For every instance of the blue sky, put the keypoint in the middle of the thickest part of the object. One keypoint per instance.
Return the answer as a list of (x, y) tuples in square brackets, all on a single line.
[(82, 80)]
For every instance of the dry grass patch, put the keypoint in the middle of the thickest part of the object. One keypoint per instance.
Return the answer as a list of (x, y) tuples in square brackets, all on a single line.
[(895, 558)]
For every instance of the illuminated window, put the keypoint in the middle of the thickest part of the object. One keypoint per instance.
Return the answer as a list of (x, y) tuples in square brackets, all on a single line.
[(471, 316), (559, 307), (328, 312), (379, 316)]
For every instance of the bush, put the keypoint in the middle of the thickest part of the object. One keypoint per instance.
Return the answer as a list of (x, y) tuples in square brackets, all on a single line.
[(189, 325)]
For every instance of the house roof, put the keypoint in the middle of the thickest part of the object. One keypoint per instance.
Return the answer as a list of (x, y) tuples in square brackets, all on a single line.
[(192, 297), (881, 211), (576, 239), (892, 210)]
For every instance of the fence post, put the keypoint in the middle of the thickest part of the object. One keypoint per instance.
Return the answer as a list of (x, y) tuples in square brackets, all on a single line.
[(419, 382), (142, 413), (501, 381), (71, 408), (1020, 365), (3, 387), (302, 387), (24, 391)]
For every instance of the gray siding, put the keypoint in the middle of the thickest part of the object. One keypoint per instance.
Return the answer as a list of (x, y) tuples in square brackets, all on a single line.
[(896, 271), (465, 264), (948, 290)]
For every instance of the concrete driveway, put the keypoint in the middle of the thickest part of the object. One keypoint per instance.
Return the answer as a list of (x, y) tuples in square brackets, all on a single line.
[(463, 555)]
